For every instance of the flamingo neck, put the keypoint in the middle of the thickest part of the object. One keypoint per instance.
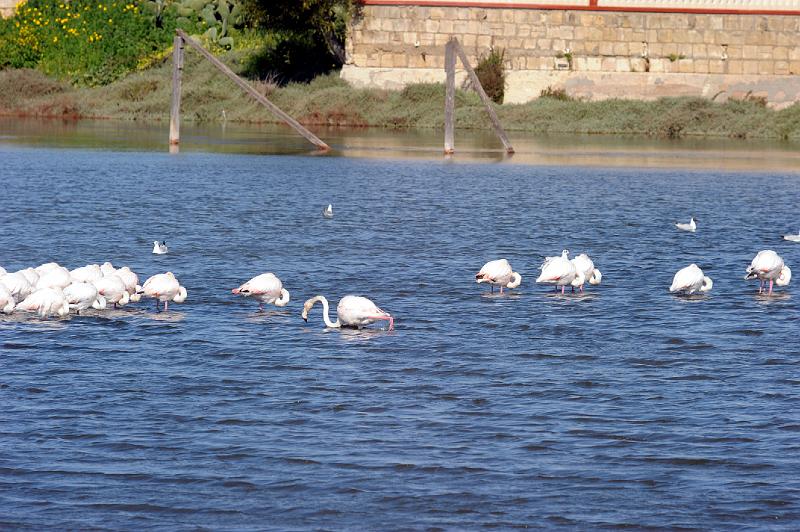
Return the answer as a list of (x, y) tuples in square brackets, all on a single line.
[(325, 308), (707, 284), (516, 279)]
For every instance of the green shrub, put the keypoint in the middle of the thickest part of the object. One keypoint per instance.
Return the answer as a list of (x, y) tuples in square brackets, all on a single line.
[(492, 75), (83, 41)]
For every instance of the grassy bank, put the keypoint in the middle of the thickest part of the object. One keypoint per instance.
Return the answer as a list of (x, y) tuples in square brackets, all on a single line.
[(328, 100)]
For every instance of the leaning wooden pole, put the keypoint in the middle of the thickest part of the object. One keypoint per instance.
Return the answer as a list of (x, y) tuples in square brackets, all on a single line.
[(175, 109), (498, 129), (274, 109), (449, 97)]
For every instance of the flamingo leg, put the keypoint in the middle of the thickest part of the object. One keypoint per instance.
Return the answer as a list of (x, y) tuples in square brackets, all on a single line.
[(501, 290), (581, 289), (166, 306), (562, 289), (770, 287)]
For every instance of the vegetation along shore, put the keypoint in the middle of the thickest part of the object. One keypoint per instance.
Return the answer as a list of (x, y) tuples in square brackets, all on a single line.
[(113, 61)]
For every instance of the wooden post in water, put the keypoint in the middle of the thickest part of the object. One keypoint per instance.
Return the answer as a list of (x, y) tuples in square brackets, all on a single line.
[(498, 129), (175, 110), (449, 96), (277, 111)]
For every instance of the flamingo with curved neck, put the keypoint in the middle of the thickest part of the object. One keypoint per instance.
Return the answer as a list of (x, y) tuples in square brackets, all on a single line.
[(352, 311)]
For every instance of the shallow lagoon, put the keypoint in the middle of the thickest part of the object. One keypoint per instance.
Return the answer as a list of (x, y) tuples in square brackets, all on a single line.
[(625, 406)]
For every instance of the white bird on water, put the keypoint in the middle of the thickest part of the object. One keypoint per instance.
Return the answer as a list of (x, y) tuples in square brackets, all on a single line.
[(691, 226), (164, 287), (265, 288), (584, 265), (559, 271), (498, 272), (792, 238), (327, 212), (352, 311), (691, 280), (160, 248), (768, 266)]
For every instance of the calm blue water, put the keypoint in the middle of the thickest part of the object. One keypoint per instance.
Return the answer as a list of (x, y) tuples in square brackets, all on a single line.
[(625, 407)]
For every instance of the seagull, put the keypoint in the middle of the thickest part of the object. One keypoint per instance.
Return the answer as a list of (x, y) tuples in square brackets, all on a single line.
[(691, 226), (792, 238), (159, 248), (327, 212)]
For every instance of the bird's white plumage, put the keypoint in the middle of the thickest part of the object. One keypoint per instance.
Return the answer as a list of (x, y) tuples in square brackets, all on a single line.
[(558, 270), (265, 288), (690, 227), (7, 301), (160, 248), (164, 287), (81, 296), (498, 273), (584, 266), (112, 288), (45, 302), (691, 280), (86, 274), (56, 277), (792, 238), (352, 311), (327, 212)]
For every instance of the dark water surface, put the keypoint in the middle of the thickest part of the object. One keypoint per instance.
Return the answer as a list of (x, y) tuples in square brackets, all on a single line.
[(624, 407)]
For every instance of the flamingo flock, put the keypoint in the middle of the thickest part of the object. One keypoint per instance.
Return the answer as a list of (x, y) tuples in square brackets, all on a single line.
[(53, 290)]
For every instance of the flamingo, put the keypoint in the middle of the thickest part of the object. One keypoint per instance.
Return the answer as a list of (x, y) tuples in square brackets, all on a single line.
[(691, 226), (55, 277), (792, 238), (584, 265), (498, 272), (86, 274), (46, 302), (112, 288), (327, 212), (691, 280), (352, 311), (2, 271), (768, 266), (160, 248), (81, 296), (559, 271), (18, 285), (164, 287), (266, 288), (7, 302), (30, 274), (131, 281)]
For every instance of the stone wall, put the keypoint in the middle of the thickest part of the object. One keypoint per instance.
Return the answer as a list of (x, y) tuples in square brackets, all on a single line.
[(591, 53), (7, 7)]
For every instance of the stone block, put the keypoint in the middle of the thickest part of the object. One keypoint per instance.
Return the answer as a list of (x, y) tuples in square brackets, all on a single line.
[(735, 52), (594, 64), (750, 67), (432, 26), (667, 36), (657, 65), (716, 67), (608, 64), (766, 52), (464, 13), (460, 27), (544, 44), (507, 16), (766, 68), (735, 67), (509, 29), (446, 26), (700, 66), (484, 41), (606, 48), (685, 66), (470, 40), (699, 51), (794, 67), (621, 48), (750, 52), (781, 68), (473, 27)]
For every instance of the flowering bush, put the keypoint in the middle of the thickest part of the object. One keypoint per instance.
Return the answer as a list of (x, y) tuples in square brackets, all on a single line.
[(87, 42)]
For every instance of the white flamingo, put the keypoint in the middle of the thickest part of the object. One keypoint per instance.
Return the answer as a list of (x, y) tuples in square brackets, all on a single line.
[(691, 226), (7, 302), (690, 280), (131, 281), (81, 296), (112, 288), (55, 277), (352, 311), (86, 274), (164, 287), (559, 271), (498, 272), (18, 285), (585, 266), (768, 266), (30, 274), (265, 288), (46, 302)]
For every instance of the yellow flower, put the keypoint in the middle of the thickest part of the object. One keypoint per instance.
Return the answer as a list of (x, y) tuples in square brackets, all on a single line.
[(55, 39)]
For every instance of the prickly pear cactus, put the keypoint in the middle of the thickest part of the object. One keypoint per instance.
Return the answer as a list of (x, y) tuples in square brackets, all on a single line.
[(213, 18)]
